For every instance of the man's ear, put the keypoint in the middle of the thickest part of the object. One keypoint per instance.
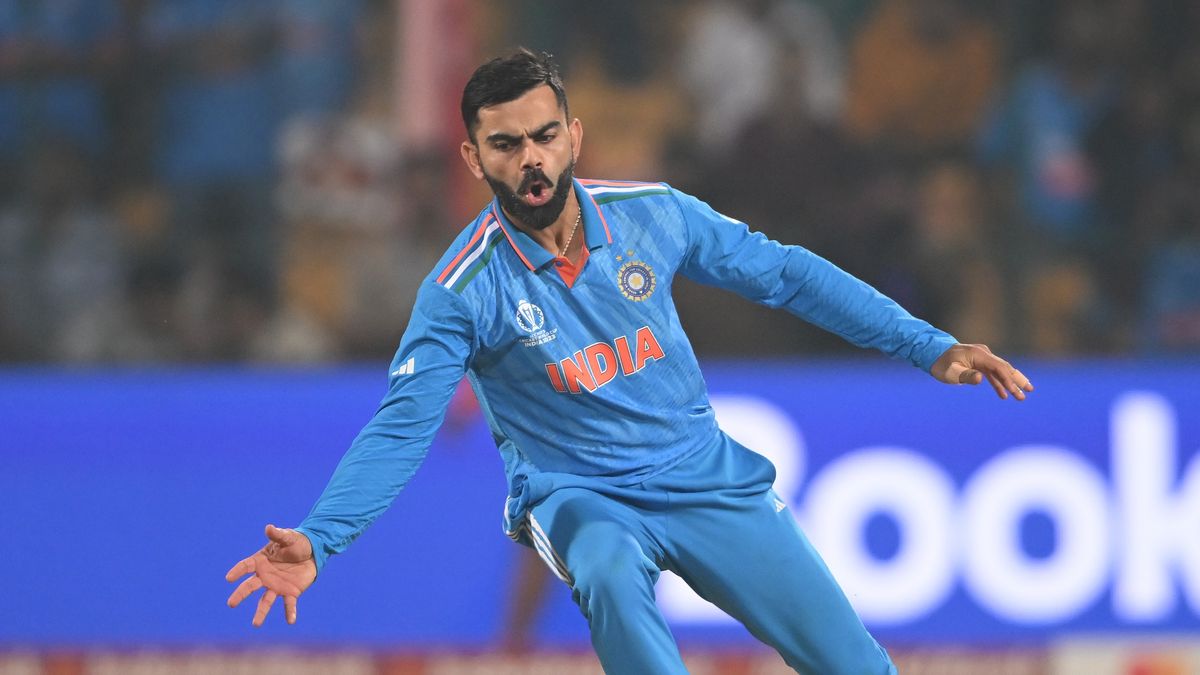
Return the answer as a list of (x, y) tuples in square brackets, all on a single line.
[(575, 128), (470, 155)]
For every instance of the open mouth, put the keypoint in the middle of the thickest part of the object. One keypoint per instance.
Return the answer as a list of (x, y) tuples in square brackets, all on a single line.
[(537, 194)]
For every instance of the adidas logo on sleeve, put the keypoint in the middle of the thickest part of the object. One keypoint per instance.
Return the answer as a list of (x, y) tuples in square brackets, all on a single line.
[(407, 368)]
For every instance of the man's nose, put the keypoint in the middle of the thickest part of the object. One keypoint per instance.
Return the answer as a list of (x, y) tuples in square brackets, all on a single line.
[(531, 156)]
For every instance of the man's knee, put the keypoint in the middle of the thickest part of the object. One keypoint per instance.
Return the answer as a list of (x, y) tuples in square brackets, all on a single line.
[(607, 563)]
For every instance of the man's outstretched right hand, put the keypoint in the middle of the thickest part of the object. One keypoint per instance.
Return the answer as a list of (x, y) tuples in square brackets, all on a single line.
[(285, 567)]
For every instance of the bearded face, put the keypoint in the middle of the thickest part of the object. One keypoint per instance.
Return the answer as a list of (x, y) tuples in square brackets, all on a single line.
[(525, 149), (537, 201)]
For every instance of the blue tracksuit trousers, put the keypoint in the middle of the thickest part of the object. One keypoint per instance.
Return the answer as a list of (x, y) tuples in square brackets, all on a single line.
[(714, 521)]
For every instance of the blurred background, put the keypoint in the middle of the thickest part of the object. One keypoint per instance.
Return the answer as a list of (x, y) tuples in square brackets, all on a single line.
[(214, 215)]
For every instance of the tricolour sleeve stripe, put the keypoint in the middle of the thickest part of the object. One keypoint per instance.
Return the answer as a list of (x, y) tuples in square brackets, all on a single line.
[(589, 182), (626, 189), (603, 220), (476, 250), (470, 246)]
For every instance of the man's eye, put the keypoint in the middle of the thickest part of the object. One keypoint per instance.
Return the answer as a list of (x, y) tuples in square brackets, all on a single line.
[(502, 146), (545, 139)]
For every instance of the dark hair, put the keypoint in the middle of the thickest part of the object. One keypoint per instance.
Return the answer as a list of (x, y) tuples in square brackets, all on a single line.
[(507, 78)]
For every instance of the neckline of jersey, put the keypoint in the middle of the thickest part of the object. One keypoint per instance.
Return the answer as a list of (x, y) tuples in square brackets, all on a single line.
[(595, 230)]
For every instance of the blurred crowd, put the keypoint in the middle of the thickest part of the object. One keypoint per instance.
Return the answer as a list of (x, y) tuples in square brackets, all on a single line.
[(189, 180)]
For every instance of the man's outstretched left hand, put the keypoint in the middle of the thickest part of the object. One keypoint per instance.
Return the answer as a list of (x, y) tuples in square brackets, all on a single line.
[(969, 364), (284, 567)]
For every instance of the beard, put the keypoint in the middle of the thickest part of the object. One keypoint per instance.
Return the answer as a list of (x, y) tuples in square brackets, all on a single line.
[(535, 217)]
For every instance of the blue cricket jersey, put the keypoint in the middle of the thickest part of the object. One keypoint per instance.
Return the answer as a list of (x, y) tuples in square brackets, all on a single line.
[(596, 379)]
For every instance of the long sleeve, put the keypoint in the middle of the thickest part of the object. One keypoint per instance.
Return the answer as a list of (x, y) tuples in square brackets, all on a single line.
[(434, 353), (724, 252)]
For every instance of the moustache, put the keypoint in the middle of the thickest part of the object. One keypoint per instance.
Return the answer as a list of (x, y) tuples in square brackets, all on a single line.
[(534, 176)]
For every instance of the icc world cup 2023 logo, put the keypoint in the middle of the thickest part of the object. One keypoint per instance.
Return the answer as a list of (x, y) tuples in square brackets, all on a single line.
[(532, 320), (529, 316)]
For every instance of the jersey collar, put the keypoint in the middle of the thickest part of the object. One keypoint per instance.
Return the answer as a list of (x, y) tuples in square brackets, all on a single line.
[(595, 229)]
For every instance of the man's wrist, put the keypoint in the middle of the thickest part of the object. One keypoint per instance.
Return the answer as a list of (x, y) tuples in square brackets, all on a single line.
[(319, 553)]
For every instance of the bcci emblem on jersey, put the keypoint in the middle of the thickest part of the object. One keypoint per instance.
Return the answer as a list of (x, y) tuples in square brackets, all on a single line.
[(636, 280), (532, 320)]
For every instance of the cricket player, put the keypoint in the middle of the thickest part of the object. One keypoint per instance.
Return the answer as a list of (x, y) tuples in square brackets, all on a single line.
[(556, 303)]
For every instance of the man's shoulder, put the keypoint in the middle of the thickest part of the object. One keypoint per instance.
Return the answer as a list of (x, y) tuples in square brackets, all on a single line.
[(604, 191), (637, 204), (469, 253), (654, 205)]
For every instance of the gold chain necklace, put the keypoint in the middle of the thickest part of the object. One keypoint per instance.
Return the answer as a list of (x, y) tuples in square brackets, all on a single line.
[(578, 217)]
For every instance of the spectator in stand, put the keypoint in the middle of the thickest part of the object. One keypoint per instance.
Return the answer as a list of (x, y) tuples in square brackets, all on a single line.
[(792, 175), (53, 58), (793, 172), (1039, 132), (317, 54), (1170, 298), (218, 130), (344, 249), (958, 281), (133, 96), (730, 65), (66, 258), (1172, 287), (1135, 152), (571, 29), (1039, 129), (640, 129), (921, 74)]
